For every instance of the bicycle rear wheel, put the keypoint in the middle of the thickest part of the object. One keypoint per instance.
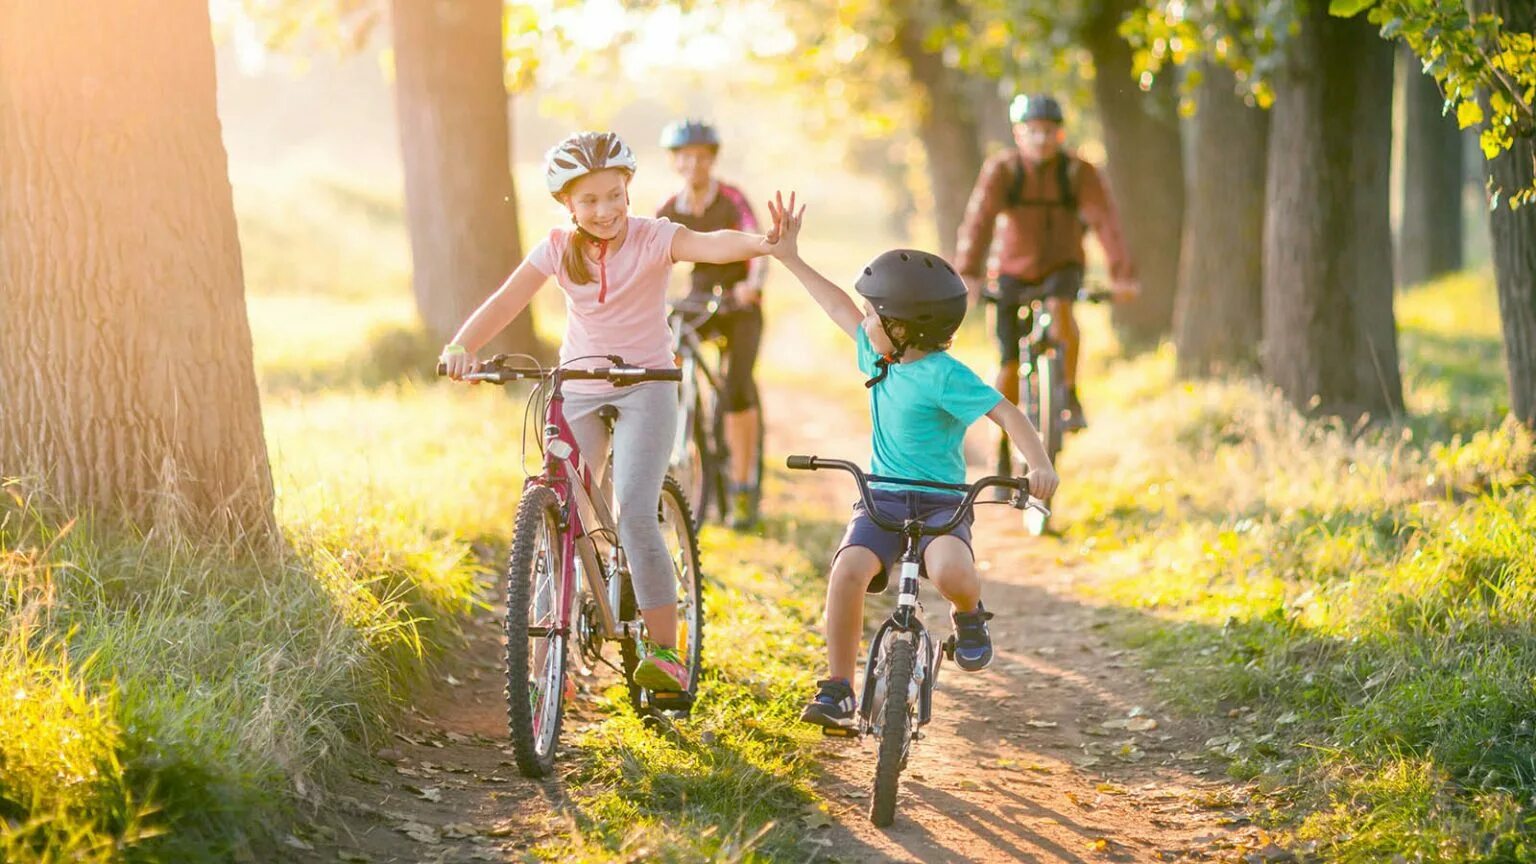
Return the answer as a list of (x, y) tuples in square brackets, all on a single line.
[(677, 529), (896, 726), (536, 642)]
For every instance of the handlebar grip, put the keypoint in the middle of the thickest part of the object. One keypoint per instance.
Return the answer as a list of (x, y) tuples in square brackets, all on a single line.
[(801, 463), (670, 375)]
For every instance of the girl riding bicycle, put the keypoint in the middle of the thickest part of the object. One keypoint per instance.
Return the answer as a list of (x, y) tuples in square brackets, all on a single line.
[(613, 269), (921, 401)]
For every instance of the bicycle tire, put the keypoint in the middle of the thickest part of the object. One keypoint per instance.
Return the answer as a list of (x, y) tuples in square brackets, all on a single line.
[(691, 615), (895, 730), (1050, 391), (535, 733)]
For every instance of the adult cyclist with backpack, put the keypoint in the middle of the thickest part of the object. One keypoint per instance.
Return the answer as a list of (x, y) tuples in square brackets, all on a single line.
[(1044, 198), (705, 204)]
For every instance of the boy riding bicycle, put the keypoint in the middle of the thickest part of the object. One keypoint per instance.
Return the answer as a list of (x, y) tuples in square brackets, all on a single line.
[(921, 401)]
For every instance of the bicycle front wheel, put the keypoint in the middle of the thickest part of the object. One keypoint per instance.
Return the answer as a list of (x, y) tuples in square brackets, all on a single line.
[(896, 726), (536, 639)]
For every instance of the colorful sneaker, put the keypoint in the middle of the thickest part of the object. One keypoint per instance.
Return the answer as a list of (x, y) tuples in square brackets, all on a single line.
[(973, 644), (662, 670), (833, 707)]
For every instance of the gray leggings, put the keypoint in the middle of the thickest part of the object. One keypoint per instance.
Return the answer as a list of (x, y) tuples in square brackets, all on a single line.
[(642, 446)]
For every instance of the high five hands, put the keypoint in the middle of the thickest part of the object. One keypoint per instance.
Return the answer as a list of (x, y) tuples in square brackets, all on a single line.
[(785, 234)]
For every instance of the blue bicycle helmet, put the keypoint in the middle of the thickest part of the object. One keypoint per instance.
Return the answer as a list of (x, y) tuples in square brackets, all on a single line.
[(1037, 106), (688, 132)]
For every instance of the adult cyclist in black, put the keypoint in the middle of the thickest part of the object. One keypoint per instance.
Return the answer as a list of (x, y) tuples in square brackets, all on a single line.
[(707, 204)]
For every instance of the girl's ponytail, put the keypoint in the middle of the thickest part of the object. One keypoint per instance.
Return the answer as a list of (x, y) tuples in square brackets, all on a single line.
[(574, 262)]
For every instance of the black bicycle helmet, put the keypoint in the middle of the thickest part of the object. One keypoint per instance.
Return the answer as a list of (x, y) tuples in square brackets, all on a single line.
[(1037, 106), (918, 288), (687, 132)]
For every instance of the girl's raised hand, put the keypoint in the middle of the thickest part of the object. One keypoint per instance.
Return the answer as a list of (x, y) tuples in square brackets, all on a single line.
[(783, 237)]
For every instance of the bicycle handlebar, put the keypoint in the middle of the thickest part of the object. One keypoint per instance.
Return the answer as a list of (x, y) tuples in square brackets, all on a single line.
[(971, 490), (620, 373), (1084, 295)]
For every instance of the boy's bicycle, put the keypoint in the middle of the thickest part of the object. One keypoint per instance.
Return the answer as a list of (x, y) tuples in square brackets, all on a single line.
[(1042, 383), (568, 582), (903, 658), (701, 458)]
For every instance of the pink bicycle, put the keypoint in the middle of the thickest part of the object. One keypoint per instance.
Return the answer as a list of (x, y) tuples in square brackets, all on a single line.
[(568, 582)]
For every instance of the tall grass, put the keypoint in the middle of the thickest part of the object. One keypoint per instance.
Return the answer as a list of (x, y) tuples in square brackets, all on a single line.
[(1360, 599)]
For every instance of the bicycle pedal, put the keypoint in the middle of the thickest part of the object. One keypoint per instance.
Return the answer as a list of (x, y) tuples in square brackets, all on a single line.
[(672, 701), (839, 732), (949, 647)]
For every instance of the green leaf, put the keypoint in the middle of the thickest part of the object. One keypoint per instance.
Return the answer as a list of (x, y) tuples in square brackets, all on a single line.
[(1348, 8)]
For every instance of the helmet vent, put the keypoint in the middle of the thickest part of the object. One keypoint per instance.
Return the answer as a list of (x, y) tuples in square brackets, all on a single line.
[(868, 272), (906, 257), (929, 262)]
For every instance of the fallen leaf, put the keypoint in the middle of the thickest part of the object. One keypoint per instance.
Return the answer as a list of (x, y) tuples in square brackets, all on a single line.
[(296, 843), (1110, 789), (353, 856), (969, 785), (419, 832), (452, 681), (1099, 845), (1042, 724), (460, 830), (815, 819), (407, 771), (1141, 724), (857, 793), (1079, 800), (430, 793), (1116, 724), (456, 737), (504, 829), (1085, 761)]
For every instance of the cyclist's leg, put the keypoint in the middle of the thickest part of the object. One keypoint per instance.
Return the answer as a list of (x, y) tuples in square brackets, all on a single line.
[(1063, 287), (744, 337), (642, 438), (852, 571), (1007, 328), (951, 568)]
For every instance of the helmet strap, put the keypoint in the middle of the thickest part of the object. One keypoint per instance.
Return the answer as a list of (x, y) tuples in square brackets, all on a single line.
[(884, 363), (602, 258)]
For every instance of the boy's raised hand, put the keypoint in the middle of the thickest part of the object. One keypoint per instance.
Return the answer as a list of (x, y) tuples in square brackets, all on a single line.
[(785, 234)]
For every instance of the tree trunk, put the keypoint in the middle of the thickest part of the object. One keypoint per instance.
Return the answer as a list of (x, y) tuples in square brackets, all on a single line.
[(1330, 339), (1146, 173), (127, 386), (1514, 242), (1429, 241), (461, 206), (946, 126), (1218, 319)]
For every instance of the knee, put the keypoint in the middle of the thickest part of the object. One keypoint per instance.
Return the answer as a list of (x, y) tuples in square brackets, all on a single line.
[(849, 575), (951, 572)]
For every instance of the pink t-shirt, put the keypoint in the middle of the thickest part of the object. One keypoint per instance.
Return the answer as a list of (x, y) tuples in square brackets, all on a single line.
[(632, 319)]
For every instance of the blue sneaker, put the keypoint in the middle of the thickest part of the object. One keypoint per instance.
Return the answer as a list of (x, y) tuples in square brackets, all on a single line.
[(973, 644), (833, 707)]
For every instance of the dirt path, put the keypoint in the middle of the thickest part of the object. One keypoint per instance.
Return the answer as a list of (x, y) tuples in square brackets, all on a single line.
[(1059, 752)]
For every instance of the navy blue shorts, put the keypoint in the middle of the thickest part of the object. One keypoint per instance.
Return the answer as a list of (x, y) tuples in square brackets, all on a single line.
[(934, 508)]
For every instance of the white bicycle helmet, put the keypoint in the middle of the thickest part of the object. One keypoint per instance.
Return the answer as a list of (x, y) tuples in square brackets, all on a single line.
[(583, 153)]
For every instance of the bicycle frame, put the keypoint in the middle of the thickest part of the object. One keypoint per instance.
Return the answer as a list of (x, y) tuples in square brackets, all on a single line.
[(688, 347)]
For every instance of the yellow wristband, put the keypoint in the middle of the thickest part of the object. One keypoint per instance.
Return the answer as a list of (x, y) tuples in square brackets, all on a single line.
[(453, 350)]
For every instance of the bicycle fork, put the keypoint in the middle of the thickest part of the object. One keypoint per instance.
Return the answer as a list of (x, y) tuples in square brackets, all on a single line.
[(906, 619)]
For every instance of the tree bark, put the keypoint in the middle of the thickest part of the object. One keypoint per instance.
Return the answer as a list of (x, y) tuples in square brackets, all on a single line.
[(946, 125), (127, 385), (1330, 339), (1429, 240), (461, 206), (1218, 319), (1514, 242), (1146, 173)]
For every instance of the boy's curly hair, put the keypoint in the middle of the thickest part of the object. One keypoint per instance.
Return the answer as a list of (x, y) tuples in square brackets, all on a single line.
[(908, 334)]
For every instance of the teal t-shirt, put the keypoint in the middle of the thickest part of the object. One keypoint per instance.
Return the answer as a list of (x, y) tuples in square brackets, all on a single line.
[(920, 413)]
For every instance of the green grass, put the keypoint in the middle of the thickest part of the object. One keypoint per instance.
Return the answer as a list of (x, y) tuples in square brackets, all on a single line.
[(1360, 600), (731, 782)]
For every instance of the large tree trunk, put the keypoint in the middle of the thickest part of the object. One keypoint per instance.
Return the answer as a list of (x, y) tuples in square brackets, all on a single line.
[(1330, 339), (1219, 316), (127, 385), (946, 125), (1514, 242), (1429, 242), (1146, 173), (460, 202)]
